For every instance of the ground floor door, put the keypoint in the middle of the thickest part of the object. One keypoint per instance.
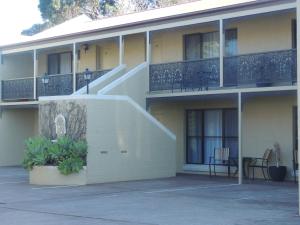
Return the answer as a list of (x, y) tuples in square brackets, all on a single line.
[(208, 129)]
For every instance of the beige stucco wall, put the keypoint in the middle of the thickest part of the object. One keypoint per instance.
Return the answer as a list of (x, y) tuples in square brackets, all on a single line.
[(265, 121), (134, 50), (257, 34), (16, 125), (16, 66), (124, 144), (133, 84)]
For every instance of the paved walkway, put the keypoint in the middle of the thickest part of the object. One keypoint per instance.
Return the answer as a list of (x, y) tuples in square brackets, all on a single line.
[(183, 200)]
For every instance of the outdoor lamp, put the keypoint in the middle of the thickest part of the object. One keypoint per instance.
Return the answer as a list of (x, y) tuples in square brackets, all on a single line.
[(87, 77)]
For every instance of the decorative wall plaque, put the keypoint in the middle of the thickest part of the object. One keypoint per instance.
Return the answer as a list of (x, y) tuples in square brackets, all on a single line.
[(60, 126)]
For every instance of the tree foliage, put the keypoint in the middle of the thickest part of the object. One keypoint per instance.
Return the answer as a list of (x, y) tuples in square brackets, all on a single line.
[(55, 12)]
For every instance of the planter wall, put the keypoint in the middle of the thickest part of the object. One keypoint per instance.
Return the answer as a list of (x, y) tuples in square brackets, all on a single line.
[(50, 175)]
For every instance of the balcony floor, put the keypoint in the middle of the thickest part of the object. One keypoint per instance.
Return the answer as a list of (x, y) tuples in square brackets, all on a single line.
[(185, 199)]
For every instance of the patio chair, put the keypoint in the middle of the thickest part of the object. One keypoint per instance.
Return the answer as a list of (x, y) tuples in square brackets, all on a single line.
[(295, 165), (261, 163), (220, 157)]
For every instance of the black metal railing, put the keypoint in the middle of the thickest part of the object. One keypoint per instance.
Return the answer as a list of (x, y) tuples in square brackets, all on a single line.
[(261, 69), (17, 89), (185, 75), (60, 84), (80, 82)]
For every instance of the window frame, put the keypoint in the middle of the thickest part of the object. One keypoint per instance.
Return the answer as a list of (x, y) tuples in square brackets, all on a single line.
[(203, 136), (59, 61), (294, 33), (200, 34)]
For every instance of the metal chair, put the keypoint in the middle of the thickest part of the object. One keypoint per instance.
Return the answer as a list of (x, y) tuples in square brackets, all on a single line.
[(220, 157), (261, 163), (295, 164)]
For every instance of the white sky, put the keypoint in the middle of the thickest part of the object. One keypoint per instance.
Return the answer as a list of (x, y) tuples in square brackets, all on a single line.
[(15, 16)]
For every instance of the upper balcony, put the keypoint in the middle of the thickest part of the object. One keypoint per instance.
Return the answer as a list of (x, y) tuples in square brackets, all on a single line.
[(265, 69), (246, 52)]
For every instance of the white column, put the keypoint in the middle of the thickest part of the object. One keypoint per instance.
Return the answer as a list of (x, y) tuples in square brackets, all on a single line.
[(74, 66), (121, 50), (221, 32), (35, 65), (148, 47), (240, 137), (298, 89)]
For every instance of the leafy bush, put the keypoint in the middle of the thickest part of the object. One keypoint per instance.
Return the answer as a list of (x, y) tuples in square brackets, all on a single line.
[(68, 155)]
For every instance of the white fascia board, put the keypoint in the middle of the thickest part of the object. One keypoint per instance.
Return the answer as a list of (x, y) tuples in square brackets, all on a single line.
[(222, 91), (203, 19)]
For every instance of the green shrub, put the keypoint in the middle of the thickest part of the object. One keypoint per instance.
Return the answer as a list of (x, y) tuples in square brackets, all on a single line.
[(67, 154), (36, 153)]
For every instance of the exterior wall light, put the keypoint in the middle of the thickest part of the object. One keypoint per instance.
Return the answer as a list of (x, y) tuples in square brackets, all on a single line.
[(87, 78)]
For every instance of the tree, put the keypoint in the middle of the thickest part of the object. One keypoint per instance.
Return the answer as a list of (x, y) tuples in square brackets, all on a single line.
[(55, 12)]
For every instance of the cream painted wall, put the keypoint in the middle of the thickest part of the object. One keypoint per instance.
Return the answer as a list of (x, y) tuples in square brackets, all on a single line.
[(124, 144), (133, 84), (109, 54), (265, 33), (134, 50), (16, 66), (16, 125), (257, 34), (265, 120)]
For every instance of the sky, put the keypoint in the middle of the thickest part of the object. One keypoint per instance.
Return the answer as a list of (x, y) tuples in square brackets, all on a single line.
[(15, 16)]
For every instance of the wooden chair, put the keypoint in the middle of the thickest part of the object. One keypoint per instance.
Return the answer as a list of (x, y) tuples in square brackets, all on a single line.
[(220, 157), (261, 163), (295, 164)]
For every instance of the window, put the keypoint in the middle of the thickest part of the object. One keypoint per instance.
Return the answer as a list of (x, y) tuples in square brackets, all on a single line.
[(60, 63), (231, 42), (206, 45), (294, 34), (208, 129)]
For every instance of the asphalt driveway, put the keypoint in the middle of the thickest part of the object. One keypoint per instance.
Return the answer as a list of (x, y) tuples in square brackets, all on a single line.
[(185, 199)]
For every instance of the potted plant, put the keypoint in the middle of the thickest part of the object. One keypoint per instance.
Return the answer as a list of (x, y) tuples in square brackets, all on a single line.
[(278, 172), (62, 162)]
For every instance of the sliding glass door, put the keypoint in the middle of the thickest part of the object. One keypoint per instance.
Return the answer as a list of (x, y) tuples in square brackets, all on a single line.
[(209, 129)]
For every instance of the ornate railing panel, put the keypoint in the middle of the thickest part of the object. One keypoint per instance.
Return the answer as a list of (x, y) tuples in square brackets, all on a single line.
[(261, 69), (185, 75), (61, 84), (80, 82), (18, 89)]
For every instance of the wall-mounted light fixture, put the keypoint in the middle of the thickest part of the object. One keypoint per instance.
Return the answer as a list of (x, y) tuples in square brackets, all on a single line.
[(85, 47)]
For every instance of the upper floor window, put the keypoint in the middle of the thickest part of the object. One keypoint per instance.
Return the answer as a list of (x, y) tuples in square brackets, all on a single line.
[(231, 42), (60, 63), (206, 45)]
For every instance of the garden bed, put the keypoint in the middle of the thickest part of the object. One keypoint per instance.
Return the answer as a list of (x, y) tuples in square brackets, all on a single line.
[(50, 175)]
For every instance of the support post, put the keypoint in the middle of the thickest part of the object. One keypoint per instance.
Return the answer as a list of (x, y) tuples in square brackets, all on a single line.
[(240, 137), (74, 66), (221, 32), (1, 58), (148, 47), (121, 50), (298, 90), (34, 74)]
